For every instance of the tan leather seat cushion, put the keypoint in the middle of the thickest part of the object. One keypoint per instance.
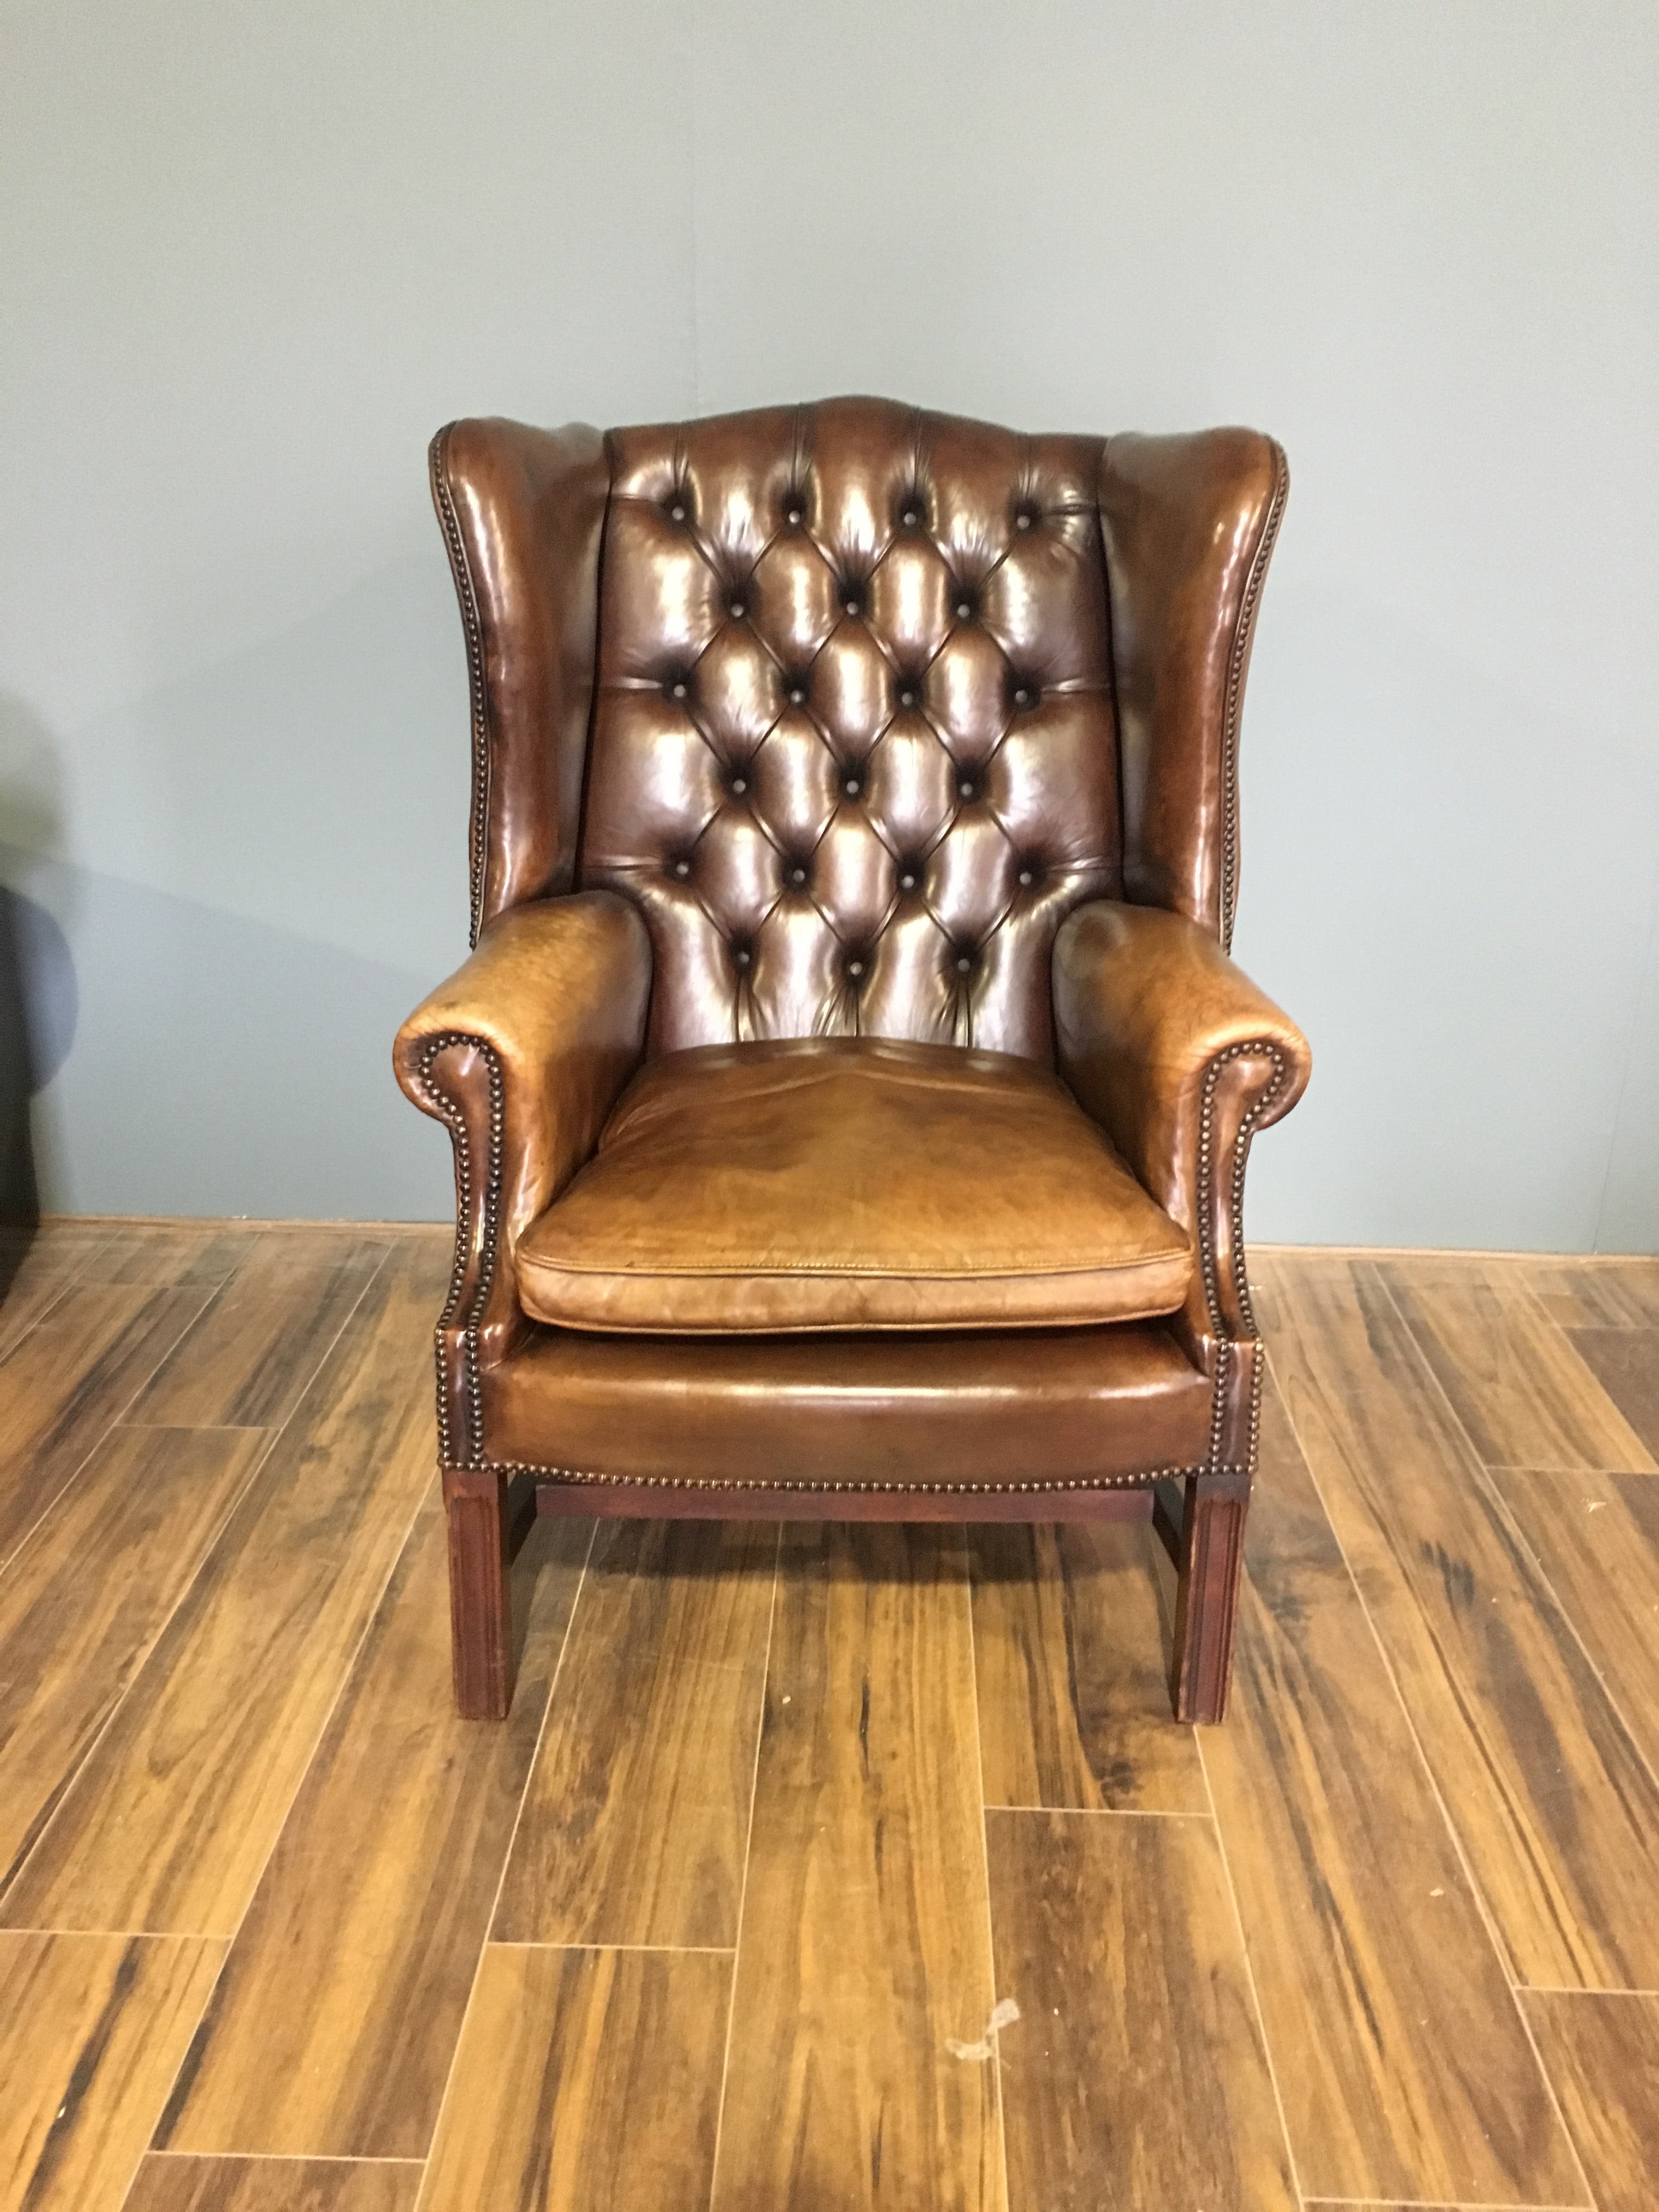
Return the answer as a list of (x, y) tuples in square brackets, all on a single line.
[(850, 1183)]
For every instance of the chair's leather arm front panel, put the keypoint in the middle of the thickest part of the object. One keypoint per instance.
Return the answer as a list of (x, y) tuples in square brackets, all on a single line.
[(1181, 1059), (1188, 524), (521, 1054), (522, 513)]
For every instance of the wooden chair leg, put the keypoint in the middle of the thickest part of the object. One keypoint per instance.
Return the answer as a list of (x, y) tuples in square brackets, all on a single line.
[(481, 1549), (1209, 1562)]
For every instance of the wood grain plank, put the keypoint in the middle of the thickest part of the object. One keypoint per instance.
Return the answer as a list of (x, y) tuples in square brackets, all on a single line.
[(1404, 2067), (168, 2183), (37, 1266), (249, 1356), (1558, 1811), (333, 2026), (1602, 2051), (637, 1811), (65, 1382), (192, 1254), (91, 2029), (1626, 1363), (1136, 2073), (84, 1598), (865, 1943), (1596, 1537), (170, 1820), (1523, 1395), (1071, 1652), (1595, 1293), (587, 2081)]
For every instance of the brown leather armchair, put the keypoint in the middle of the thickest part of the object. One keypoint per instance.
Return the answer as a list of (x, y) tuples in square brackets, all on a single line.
[(850, 1089)]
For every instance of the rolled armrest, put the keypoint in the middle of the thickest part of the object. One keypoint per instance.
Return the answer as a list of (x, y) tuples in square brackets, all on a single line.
[(522, 1055), (1181, 1059)]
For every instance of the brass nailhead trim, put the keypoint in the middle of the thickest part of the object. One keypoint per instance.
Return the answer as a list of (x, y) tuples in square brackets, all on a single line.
[(1258, 1048), (477, 829), (583, 1475), (489, 1224), (1235, 694)]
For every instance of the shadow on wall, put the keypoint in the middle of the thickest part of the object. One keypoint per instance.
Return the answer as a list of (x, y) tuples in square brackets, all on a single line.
[(40, 1001)]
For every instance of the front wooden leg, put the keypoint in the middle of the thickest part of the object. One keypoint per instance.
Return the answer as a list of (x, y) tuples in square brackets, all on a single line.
[(481, 1548), (1209, 1563)]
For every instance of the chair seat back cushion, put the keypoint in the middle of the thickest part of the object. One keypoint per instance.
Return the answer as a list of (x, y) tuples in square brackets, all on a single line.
[(853, 748), (850, 1183)]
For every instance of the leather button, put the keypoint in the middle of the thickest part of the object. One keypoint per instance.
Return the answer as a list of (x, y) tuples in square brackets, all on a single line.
[(1023, 519), (677, 512), (910, 517), (739, 785), (736, 611), (797, 875), (679, 690), (1022, 698), (793, 515), (964, 963), (682, 869), (906, 698), (907, 881), (742, 956), (964, 609), (852, 787), (967, 786), (853, 605), (855, 968), (1026, 878)]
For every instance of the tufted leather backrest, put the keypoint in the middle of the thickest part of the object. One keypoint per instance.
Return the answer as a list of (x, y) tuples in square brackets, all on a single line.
[(623, 707), (852, 748)]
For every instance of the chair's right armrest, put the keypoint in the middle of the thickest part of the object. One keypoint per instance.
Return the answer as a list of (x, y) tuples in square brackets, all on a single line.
[(521, 1055)]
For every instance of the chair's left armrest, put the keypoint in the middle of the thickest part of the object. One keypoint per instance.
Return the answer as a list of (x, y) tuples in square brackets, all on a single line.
[(1181, 1059), (521, 1055)]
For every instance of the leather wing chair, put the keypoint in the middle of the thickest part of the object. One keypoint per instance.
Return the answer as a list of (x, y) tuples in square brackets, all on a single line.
[(850, 1089)]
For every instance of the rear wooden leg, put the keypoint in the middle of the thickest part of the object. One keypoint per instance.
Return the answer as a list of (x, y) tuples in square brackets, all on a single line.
[(480, 1596), (1209, 1562)]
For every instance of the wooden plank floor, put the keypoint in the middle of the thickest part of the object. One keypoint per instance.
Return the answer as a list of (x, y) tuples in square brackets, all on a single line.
[(819, 1869)]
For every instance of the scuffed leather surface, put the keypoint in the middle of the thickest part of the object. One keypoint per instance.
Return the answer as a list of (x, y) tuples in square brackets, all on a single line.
[(1027, 1406), (558, 991), (1146, 1004), (522, 512), (758, 783), (850, 1183), (1189, 523)]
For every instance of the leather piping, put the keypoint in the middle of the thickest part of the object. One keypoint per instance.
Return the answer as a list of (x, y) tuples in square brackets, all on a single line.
[(1235, 696), (455, 545)]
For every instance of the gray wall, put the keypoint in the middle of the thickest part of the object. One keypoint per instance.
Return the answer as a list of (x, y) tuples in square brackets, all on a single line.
[(252, 258)]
